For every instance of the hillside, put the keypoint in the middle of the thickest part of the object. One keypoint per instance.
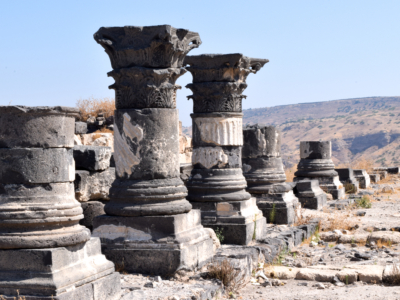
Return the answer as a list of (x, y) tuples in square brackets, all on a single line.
[(360, 128)]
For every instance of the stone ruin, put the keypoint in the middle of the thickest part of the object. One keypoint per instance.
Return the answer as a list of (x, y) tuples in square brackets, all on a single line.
[(217, 186), (265, 176), (346, 176), (363, 178), (149, 222), (316, 163), (39, 219)]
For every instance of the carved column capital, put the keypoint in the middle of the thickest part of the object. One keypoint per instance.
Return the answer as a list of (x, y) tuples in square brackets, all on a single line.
[(139, 87), (160, 46)]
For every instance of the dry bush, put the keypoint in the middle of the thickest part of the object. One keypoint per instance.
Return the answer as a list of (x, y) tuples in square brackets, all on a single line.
[(337, 220), (290, 173), (363, 164), (233, 279), (104, 130), (92, 107), (350, 188), (301, 219)]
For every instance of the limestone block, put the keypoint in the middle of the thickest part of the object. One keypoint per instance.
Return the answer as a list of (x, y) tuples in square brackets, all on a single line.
[(368, 273), (375, 178), (282, 272), (77, 140), (92, 158), (213, 236), (98, 139), (316, 275), (36, 165), (93, 185), (221, 131), (81, 128), (40, 127)]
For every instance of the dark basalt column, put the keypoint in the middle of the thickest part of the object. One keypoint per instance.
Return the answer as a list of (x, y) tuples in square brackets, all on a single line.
[(147, 214), (44, 252), (316, 163), (217, 186), (265, 176)]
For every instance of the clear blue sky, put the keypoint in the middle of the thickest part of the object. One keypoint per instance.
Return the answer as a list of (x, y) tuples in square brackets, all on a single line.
[(318, 50)]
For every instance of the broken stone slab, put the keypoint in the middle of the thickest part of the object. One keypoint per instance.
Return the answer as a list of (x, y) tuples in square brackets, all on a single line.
[(391, 273), (375, 177), (36, 165), (91, 209), (254, 253), (81, 128), (98, 139), (93, 185), (382, 171), (73, 272), (393, 170), (368, 273), (282, 272), (342, 204), (39, 127), (363, 178), (346, 176), (177, 239), (92, 158), (310, 194)]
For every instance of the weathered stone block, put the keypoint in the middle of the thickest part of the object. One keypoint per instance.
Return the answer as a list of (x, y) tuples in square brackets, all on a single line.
[(346, 176), (36, 165), (81, 128), (92, 158), (91, 209), (375, 177), (310, 194), (93, 185), (73, 272), (363, 178), (144, 244), (40, 127)]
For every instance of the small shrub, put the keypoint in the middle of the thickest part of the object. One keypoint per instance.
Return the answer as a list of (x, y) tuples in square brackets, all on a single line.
[(219, 234), (233, 279), (364, 202), (350, 188)]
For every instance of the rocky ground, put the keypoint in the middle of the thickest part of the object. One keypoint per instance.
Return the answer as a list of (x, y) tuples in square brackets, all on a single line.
[(355, 255)]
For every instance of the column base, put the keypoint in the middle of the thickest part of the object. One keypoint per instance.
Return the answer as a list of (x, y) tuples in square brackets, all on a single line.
[(158, 245), (65, 273), (279, 208), (310, 194), (239, 222), (331, 185)]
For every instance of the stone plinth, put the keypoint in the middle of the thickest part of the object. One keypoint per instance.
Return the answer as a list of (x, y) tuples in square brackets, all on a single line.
[(217, 178), (149, 222), (310, 194), (265, 176), (375, 178), (363, 178), (382, 171), (346, 176), (44, 252), (316, 163), (393, 170)]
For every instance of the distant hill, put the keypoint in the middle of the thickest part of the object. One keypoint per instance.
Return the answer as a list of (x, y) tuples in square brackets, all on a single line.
[(359, 128)]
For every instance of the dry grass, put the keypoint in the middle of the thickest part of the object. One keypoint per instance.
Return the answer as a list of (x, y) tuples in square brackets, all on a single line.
[(92, 107), (350, 188), (233, 279), (104, 130), (301, 218), (17, 298), (363, 164), (390, 178), (290, 173), (336, 219)]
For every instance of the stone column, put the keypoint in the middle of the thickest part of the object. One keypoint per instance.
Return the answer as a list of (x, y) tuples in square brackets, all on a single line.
[(149, 222), (263, 170), (217, 186), (44, 252), (316, 163)]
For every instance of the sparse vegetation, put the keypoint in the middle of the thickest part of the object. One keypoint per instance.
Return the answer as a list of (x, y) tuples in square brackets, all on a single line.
[(219, 234), (364, 202), (233, 279), (93, 106)]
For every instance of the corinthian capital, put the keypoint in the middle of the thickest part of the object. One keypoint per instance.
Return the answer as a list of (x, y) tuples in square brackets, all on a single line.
[(222, 67), (160, 46)]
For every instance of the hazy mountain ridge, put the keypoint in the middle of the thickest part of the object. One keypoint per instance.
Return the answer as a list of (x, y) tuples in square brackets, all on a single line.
[(358, 128)]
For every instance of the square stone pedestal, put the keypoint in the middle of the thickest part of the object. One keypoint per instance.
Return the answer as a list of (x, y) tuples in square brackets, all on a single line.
[(331, 185), (155, 245), (278, 208), (310, 194), (239, 222), (65, 273)]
